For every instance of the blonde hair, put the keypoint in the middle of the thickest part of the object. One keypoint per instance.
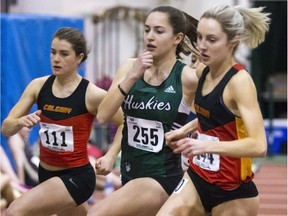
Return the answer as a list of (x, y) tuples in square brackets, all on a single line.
[(249, 24)]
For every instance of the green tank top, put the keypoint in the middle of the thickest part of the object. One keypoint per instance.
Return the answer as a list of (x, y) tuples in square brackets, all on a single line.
[(150, 112)]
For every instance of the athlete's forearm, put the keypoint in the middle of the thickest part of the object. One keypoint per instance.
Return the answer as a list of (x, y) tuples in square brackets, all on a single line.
[(190, 127), (116, 145), (10, 127)]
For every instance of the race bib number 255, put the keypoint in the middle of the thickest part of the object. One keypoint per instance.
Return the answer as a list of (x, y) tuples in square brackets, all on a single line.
[(144, 134)]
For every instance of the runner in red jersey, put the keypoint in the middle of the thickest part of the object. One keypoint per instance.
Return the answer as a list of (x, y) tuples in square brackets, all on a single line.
[(230, 123), (67, 105)]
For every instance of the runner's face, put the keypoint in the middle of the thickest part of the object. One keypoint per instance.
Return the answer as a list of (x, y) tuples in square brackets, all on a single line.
[(63, 58), (212, 42), (158, 36)]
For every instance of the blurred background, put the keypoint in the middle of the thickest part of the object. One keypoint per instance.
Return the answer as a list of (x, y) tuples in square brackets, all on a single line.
[(114, 32)]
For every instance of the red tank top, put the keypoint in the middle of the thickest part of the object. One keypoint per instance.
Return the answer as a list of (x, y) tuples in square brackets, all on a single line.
[(216, 122), (65, 126)]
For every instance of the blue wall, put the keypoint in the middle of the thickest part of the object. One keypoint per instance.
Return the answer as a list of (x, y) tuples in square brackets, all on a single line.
[(25, 55)]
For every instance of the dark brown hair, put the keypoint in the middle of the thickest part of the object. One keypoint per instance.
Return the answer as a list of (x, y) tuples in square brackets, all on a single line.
[(75, 38), (181, 22)]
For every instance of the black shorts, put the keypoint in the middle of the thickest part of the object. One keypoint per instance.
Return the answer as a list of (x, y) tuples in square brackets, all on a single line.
[(212, 195), (168, 183), (79, 181)]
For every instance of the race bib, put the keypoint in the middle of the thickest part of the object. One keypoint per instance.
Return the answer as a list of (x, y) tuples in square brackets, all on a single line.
[(207, 161), (56, 137), (144, 134)]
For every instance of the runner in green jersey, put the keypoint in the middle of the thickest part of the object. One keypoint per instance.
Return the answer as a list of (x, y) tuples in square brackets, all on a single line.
[(155, 91)]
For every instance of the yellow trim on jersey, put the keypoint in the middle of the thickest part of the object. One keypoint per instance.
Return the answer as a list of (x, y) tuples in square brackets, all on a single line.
[(246, 163)]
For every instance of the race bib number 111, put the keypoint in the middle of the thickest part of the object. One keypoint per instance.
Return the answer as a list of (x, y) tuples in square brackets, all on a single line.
[(56, 137)]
